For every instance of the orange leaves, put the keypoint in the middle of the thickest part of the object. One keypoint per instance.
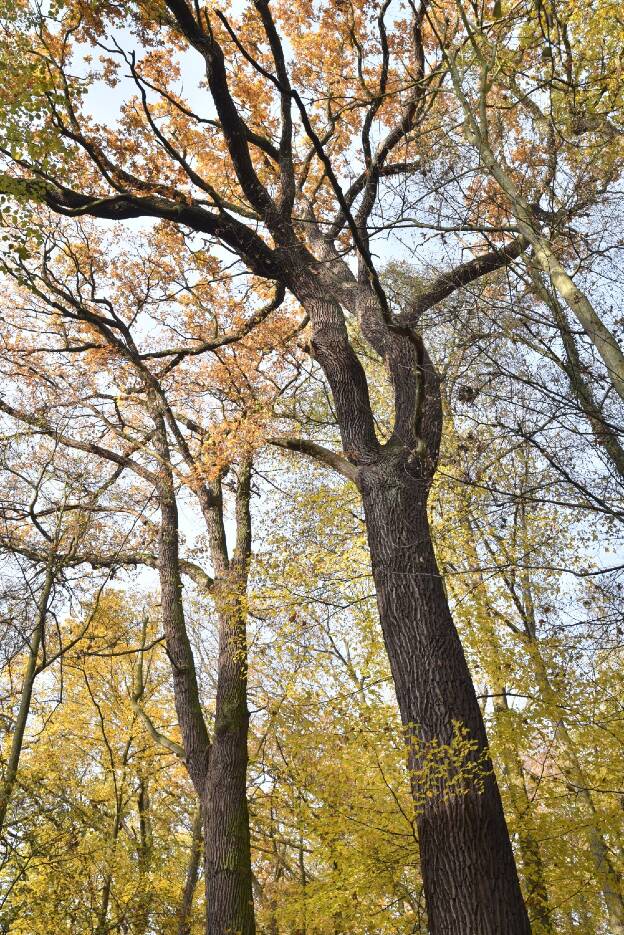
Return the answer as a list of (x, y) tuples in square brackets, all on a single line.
[(231, 440)]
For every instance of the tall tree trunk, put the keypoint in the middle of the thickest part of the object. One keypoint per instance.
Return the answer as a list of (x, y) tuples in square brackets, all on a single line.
[(218, 770), (101, 923), (28, 681), (605, 432), (145, 849), (602, 338), (468, 868), (229, 893)]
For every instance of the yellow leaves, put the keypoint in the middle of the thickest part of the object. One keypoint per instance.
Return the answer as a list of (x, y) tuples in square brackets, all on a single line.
[(80, 780), (444, 771)]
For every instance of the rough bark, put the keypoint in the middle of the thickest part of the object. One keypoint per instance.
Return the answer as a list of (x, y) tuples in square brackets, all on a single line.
[(186, 692), (467, 864), (469, 873), (218, 770), (229, 894), (470, 877)]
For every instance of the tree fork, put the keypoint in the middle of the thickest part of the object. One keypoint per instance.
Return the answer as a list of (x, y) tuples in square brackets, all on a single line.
[(468, 867)]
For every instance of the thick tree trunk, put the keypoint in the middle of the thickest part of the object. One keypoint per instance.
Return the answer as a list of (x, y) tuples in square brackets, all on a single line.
[(229, 896), (468, 868)]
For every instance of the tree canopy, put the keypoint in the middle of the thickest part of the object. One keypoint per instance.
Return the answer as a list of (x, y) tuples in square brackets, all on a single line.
[(311, 467)]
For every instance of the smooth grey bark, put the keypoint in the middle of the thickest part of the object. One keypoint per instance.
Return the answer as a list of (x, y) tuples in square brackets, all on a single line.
[(577, 301), (605, 434)]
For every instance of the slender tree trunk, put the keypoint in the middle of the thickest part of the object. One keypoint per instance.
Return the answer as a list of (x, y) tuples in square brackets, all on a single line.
[(145, 859), (602, 338), (605, 433), (229, 893), (608, 878), (28, 681), (468, 868), (186, 692), (101, 925), (218, 770), (192, 873)]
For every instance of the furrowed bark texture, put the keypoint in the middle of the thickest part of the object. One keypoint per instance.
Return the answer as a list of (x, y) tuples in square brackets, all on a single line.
[(229, 894), (470, 879), (229, 897), (469, 873), (467, 863)]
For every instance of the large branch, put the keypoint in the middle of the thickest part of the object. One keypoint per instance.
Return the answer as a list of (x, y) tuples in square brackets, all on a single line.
[(120, 559), (325, 455), (106, 454), (159, 738), (235, 130), (137, 696), (245, 242), (287, 171), (444, 285)]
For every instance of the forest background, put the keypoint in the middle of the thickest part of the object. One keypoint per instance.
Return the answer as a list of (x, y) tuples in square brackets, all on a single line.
[(311, 351)]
